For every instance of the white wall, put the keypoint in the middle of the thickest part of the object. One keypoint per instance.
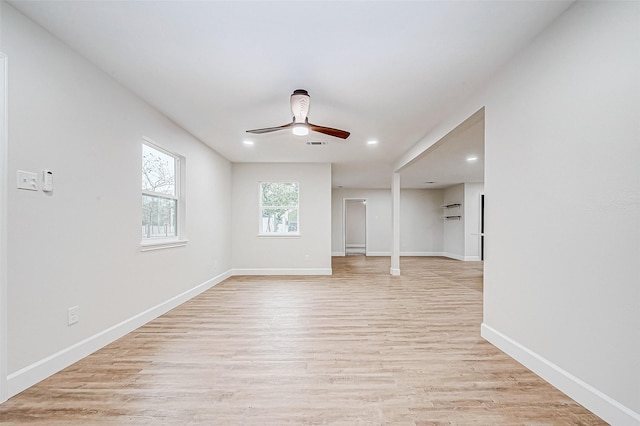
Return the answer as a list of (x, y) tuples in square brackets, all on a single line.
[(378, 220), (454, 229), (3, 221), (80, 246), (462, 237), (308, 254), (421, 230), (562, 210), (421, 225), (471, 218)]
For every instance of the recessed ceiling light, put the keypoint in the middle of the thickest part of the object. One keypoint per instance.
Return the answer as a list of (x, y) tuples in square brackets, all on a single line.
[(248, 143), (430, 181), (372, 142), (472, 158)]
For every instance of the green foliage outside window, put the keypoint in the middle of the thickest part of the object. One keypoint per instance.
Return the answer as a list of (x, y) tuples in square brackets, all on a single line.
[(159, 194), (279, 207)]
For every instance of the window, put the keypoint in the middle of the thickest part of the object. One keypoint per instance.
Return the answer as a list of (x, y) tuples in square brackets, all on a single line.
[(279, 208), (161, 203)]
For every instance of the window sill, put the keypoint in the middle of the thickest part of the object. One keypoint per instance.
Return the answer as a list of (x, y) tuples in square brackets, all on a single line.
[(278, 235), (161, 244)]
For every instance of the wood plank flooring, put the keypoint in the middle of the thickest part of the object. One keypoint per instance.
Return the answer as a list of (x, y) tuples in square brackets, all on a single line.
[(358, 348)]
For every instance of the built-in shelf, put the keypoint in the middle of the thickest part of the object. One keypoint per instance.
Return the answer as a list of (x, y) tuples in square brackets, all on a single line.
[(452, 208)]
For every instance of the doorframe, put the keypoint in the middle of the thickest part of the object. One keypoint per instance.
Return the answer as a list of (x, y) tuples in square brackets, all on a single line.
[(482, 221), (344, 224), (3, 224)]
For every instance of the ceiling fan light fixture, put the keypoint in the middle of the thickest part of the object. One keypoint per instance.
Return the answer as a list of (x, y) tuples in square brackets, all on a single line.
[(300, 124), (300, 130)]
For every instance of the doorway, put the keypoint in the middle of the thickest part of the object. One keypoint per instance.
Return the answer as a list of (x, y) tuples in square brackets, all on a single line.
[(355, 226), (482, 227)]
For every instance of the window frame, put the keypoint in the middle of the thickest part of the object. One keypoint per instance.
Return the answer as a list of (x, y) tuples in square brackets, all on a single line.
[(178, 240), (261, 208)]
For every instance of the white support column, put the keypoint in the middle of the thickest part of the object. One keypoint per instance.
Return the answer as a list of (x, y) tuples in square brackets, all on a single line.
[(395, 234)]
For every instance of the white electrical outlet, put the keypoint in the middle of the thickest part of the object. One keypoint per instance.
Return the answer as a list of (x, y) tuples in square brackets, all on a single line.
[(73, 315)]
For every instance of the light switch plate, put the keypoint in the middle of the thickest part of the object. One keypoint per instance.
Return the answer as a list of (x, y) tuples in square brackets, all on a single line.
[(27, 180)]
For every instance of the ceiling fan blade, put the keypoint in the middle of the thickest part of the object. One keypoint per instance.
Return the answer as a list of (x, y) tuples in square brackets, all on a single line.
[(271, 129), (342, 134)]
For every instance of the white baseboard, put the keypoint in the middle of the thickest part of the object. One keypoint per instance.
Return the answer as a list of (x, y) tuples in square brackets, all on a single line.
[(461, 257), (355, 251), (610, 410), (394, 271), (415, 254), (453, 256), (411, 254), (379, 253), (356, 246), (40, 370), (421, 253), (283, 271)]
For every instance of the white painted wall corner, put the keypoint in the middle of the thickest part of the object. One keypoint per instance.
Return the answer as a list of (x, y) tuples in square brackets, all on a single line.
[(40, 370), (602, 405)]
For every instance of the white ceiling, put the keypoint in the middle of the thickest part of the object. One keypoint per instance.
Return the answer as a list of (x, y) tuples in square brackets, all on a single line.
[(383, 70), (457, 157)]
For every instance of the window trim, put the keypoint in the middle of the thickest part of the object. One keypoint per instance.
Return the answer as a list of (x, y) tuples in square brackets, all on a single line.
[(180, 239), (162, 243), (262, 234)]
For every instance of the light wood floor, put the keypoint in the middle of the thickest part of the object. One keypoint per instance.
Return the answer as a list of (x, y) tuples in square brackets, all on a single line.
[(357, 348)]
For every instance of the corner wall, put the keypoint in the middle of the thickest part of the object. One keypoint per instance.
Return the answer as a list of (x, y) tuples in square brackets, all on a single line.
[(462, 237), (472, 220), (308, 254), (80, 245), (421, 227), (563, 207), (453, 228), (378, 220)]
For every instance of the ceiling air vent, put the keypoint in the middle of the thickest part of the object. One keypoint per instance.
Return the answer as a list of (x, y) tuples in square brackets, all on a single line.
[(316, 143)]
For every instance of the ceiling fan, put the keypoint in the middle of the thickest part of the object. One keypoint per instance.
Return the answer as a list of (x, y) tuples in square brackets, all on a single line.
[(300, 124)]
